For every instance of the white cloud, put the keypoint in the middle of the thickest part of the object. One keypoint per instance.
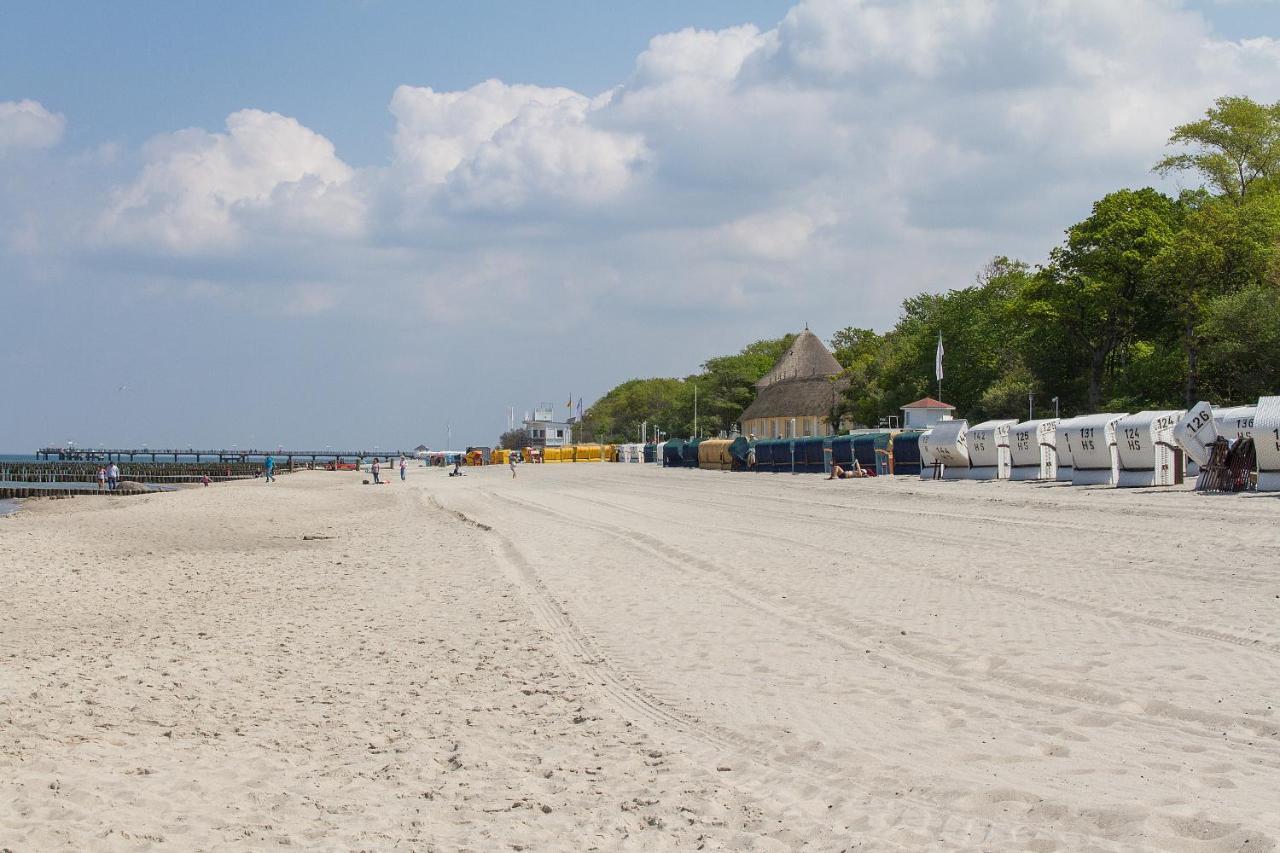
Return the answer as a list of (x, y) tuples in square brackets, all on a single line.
[(199, 189), (502, 147), (437, 131), (858, 151), (27, 124)]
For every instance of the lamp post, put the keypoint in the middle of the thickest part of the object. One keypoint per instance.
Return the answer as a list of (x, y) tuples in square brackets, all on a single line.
[(1055, 407)]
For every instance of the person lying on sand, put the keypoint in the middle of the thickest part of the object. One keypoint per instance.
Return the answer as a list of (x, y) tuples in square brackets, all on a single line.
[(857, 471)]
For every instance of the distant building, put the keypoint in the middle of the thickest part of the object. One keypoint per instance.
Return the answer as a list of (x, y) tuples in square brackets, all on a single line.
[(925, 412), (544, 430), (796, 397)]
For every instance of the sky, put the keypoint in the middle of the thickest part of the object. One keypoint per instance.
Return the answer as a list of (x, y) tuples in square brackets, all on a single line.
[(381, 223)]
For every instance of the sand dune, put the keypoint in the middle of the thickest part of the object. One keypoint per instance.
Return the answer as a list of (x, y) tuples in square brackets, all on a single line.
[(621, 657)]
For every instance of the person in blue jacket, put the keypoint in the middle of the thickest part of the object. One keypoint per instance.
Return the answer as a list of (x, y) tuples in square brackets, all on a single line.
[(270, 466)]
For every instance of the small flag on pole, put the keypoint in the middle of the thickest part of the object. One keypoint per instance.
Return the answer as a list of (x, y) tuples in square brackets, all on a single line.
[(937, 361)]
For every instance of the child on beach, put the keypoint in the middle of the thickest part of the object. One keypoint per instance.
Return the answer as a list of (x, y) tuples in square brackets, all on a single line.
[(377, 471), (511, 460), (102, 479), (403, 464)]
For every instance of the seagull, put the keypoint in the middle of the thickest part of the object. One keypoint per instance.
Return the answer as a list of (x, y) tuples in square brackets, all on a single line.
[(123, 388)]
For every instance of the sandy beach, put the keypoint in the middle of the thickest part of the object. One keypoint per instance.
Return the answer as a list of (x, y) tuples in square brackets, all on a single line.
[(614, 657)]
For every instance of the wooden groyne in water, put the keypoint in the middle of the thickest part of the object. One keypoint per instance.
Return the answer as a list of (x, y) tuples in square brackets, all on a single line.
[(23, 492), (142, 472)]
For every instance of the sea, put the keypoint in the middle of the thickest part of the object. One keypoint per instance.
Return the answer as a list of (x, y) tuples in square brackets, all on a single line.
[(7, 507)]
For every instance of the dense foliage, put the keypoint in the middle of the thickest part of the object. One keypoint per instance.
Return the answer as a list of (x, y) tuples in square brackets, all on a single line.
[(1149, 302), (514, 439), (725, 386)]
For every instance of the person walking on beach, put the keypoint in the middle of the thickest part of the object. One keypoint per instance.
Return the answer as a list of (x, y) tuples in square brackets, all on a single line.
[(113, 477), (377, 471), (403, 465), (269, 468), (511, 461), (102, 479)]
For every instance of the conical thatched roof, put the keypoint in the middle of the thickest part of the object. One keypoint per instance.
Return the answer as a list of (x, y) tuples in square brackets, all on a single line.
[(794, 398), (802, 383), (806, 358)]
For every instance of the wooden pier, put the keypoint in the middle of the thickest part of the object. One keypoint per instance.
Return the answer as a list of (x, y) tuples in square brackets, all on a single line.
[(286, 457)]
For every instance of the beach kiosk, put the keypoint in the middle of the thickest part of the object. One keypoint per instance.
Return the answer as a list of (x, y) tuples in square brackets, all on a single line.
[(1266, 443), (1033, 450), (1145, 450), (948, 444), (988, 444), (1092, 439)]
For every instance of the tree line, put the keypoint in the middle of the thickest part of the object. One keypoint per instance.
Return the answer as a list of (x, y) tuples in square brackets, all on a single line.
[(1152, 301)]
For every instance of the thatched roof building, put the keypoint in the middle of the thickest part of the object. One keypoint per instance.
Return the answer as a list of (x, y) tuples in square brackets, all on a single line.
[(803, 386)]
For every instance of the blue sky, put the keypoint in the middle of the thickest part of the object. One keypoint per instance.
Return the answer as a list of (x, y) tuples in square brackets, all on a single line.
[(309, 223), (130, 71)]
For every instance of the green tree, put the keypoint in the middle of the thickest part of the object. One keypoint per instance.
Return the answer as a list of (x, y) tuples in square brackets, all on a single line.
[(1222, 247), (1241, 358), (1235, 146), (983, 331), (618, 415), (1098, 284), (853, 346), (726, 385), (514, 439)]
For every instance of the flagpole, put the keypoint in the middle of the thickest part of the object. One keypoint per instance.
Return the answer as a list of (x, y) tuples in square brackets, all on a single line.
[(937, 365)]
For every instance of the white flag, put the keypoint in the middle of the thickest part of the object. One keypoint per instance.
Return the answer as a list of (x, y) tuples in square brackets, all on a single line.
[(937, 361)]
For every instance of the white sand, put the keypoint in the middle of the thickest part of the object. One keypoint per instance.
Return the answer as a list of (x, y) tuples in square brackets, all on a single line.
[(633, 658)]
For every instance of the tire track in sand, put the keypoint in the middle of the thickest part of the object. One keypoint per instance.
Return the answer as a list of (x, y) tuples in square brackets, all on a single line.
[(924, 664), (710, 742)]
